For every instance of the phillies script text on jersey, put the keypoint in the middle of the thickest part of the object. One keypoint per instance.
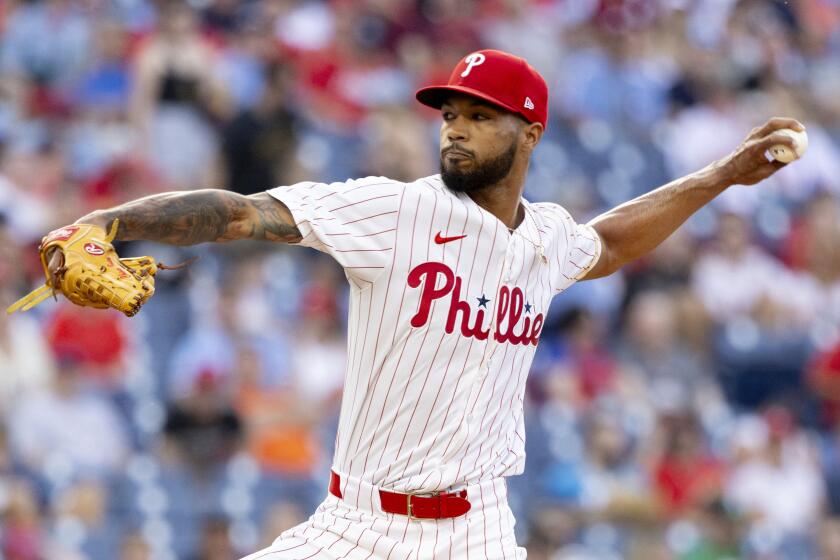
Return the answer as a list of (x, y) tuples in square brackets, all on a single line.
[(511, 306)]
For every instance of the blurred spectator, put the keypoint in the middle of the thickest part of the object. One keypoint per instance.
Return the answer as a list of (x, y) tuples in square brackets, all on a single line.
[(760, 343), (668, 267), (824, 378), (22, 217), (777, 485), (814, 249), (26, 363), (280, 423), (320, 354), (247, 48), (176, 90), (82, 521), (686, 474), (211, 347), (615, 488), (671, 370), (579, 354), (106, 83), (22, 537), (259, 142), (46, 41), (203, 427), (619, 78), (721, 534), (120, 179), (134, 547), (283, 420), (67, 430), (215, 540), (829, 538), (829, 449), (392, 149), (194, 468), (735, 278), (101, 133), (97, 342)]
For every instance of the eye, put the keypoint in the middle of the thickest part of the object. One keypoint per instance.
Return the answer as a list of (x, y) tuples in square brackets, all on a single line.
[(448, 116), (480, 117)]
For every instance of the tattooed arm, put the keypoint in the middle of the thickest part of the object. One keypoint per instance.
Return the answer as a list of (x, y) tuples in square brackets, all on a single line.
[(191, 217)]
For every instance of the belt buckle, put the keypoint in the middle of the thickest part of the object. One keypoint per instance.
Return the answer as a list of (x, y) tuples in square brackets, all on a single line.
[(409, 512)]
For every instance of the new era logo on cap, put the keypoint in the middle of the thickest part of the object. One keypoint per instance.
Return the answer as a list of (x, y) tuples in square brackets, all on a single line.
[(497, 77)]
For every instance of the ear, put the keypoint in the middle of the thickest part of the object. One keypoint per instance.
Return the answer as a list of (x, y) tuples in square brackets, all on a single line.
[(531, 135)]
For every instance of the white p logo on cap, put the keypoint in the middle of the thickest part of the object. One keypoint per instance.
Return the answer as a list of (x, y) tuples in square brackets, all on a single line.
[(474, 59)]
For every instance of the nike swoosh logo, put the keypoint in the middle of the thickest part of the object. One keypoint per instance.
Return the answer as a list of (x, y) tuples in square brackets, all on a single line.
[(440, 240)]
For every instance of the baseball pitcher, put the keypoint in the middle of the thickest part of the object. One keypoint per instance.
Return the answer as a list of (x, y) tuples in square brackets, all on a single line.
[(451, 277)]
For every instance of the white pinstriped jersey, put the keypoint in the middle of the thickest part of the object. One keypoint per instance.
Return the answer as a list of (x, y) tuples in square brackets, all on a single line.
[(446, 310)]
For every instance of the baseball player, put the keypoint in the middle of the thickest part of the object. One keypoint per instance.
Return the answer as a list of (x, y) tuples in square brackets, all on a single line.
[(451, 276)]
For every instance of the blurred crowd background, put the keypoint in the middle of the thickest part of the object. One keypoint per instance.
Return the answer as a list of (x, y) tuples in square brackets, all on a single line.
[(687, 408)]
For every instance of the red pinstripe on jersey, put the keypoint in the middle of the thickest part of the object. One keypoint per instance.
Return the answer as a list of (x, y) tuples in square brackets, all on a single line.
[(367, 218)]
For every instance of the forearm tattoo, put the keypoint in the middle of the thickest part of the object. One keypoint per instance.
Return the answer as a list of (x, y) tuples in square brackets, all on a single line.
[(271, 220), (188, 218)]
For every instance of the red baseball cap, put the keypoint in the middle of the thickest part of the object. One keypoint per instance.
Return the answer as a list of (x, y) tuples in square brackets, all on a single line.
[(498, 78)]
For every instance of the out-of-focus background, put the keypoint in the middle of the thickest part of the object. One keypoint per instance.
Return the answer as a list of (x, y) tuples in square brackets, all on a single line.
[(686, 408)]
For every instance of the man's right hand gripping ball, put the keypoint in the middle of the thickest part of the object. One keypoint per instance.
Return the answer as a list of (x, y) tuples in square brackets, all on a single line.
[(80, 262)]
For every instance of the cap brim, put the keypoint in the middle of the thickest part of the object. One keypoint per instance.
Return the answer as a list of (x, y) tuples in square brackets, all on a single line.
[(435, 96)]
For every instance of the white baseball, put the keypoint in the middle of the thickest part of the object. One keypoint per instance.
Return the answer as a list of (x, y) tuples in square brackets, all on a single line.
[(783, 153)]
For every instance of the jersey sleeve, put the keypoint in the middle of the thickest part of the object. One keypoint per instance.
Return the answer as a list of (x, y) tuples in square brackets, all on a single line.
[(578, 249), (355, 222)]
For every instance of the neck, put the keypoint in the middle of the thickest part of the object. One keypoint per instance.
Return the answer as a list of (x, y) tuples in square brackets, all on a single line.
[(502, 199)]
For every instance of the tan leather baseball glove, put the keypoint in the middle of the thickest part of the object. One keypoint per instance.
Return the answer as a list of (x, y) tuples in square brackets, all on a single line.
[(90, 273)]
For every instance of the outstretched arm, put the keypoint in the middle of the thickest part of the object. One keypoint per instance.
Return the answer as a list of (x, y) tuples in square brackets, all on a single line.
[(191, 217), (635, 228)]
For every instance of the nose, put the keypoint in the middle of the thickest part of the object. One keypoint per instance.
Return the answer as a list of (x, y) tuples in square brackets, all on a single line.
[(455, 131)]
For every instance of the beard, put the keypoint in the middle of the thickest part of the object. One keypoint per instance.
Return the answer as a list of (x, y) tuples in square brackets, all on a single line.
[(484, 175)]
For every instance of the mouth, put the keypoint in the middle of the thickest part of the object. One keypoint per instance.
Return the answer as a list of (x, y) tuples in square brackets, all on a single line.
[(456, 155)]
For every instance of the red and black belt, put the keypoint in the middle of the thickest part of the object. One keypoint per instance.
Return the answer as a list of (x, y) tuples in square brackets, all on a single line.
[(440, 505)]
